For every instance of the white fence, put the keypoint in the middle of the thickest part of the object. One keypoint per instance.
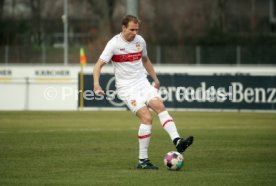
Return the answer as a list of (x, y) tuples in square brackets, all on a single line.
[(38, 94)]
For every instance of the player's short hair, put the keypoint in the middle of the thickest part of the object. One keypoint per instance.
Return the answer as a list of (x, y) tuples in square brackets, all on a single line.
[(129, 18)]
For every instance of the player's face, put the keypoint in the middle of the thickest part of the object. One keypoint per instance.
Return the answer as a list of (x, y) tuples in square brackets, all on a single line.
[(130, 31)]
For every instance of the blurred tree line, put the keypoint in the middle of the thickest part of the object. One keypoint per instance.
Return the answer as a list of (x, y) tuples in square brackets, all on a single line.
[(175, 22)]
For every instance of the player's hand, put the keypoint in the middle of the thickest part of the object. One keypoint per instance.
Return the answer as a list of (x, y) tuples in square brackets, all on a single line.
[(98, 90), (156, 84)]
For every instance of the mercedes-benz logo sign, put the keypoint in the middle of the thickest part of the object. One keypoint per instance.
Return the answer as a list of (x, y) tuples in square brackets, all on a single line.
[(113, 101)]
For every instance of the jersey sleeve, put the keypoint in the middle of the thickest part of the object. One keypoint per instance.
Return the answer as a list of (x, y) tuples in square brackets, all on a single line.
[(144, 46), (107, 52)]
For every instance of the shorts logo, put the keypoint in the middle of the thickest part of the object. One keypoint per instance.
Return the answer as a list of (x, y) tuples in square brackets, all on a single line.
[(133, 103)]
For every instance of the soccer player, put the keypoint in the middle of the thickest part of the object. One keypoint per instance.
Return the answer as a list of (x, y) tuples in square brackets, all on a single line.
[(128, 53)]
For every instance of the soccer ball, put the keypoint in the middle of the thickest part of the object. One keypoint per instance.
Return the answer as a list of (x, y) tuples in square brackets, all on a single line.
[(173, 160)]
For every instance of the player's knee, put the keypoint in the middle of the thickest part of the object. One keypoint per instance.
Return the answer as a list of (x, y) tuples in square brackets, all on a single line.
[(159, 107), (146, 118)]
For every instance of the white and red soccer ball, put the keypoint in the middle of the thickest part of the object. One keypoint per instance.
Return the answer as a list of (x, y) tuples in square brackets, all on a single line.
[(173, 160)]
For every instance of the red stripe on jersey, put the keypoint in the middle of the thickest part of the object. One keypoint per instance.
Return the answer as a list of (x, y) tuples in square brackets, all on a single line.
[(120, 58), (166, 122), (145, 136)]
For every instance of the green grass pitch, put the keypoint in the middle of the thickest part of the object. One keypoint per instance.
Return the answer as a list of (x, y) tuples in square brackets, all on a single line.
[(101, 148)]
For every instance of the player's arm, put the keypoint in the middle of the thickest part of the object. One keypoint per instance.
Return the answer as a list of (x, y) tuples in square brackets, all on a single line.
[(96, 76), (148, 66)]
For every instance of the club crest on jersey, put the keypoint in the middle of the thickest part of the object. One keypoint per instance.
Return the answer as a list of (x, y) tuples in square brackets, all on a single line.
[(138, 47), (133, 103)]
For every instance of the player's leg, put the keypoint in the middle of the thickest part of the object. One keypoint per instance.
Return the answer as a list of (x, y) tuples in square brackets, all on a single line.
[(154, 101), (144, 135), (168, 124), (166, 120), (144, 132), (138, 106)]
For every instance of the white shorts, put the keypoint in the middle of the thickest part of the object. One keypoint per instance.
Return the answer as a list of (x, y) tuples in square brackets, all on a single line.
[(138, 96)]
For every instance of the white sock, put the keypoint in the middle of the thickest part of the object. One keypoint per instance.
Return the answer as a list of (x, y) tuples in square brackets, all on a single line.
[(168, 124), (144, 134)]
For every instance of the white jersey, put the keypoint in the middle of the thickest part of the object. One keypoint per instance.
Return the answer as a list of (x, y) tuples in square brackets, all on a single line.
[(126, 58)]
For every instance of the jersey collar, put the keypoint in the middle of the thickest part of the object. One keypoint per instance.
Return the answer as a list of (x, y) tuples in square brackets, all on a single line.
[(121, 35)]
